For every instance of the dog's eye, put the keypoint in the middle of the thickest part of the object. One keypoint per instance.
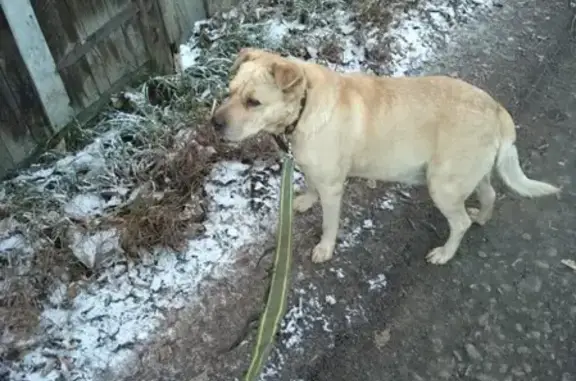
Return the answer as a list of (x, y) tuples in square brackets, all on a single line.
[(251, 102)]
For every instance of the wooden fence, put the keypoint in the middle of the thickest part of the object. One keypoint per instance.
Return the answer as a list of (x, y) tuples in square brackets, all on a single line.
[(60, 60)]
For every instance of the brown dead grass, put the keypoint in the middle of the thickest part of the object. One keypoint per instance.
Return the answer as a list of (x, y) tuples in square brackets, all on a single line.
[(374, 11), (331, 50), (150, 222), (4, 211), (380, 12), (171, 206), (19, 307), (20, 300)]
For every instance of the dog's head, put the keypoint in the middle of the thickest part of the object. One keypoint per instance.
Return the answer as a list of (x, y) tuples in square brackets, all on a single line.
[(264, 95)]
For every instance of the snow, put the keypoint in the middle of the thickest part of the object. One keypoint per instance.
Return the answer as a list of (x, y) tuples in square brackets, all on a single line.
[(330, 299), (128, 302), (84, 205), (101, 327), (377, 283), (16, 241), (277, 30), (188, 56), (311, 310), (91, 249), (423, 31)]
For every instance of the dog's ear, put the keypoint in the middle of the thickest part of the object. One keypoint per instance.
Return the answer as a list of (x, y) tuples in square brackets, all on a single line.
[(244, 55), (287, 75)]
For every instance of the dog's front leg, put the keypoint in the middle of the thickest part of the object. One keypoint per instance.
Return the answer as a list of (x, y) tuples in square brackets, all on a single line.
[(331, 200)]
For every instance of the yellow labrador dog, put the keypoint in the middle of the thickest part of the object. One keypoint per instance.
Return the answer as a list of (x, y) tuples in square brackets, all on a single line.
[(435, 130)]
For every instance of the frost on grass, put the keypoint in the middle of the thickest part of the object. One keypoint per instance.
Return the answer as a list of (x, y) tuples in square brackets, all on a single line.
[(420, 33), (98, 242), (110, 316), (389, 37)]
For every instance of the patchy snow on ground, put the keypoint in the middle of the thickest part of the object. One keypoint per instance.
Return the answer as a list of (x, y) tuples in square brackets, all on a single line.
[(423, 31), (103, 323), (311, 310), (336, 36), (106, 321), (189, 56), (377, 283)]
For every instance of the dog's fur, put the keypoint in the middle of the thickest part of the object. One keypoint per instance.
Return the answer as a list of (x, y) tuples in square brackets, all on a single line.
[(435, 130)]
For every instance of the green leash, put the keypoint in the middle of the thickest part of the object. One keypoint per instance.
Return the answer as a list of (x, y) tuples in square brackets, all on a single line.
[(279, 287)]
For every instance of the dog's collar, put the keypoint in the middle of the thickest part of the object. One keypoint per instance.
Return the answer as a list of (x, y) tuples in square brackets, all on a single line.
[(282, 138)]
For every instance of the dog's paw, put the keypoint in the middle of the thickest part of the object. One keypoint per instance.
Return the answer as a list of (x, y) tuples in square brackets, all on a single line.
[(304, 202), (475, 216), (321, 253), (438, 256)]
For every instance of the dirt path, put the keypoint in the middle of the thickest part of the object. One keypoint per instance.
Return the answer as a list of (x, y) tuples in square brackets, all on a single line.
[(505, 308)]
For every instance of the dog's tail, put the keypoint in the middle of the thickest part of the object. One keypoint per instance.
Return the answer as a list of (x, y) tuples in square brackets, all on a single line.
[(508, 164)]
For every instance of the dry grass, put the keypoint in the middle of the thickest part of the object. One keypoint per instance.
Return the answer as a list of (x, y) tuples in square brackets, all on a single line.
[(374, 11), (19, 307), (149, 223), (331, 51), (170, 206), (380, 12), (22, 292)]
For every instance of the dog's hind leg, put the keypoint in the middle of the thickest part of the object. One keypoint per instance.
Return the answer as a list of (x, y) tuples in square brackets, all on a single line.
[(450, 183), (451, 204), (486, 196)]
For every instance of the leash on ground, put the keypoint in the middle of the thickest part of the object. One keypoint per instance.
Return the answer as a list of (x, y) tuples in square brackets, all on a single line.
[(279, 285)]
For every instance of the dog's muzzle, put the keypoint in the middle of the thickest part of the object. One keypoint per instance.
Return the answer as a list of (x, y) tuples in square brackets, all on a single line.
[(218, 122)]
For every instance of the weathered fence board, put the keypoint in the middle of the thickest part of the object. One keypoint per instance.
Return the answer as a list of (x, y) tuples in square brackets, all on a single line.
[(23, 124), (179, 18), (97, 43), (38, 61), (76, 55)]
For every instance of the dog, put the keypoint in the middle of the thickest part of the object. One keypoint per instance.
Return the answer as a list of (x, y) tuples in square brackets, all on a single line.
[(433, 130)]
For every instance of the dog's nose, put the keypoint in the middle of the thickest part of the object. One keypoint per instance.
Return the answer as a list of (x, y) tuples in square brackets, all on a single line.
[(218, 122)]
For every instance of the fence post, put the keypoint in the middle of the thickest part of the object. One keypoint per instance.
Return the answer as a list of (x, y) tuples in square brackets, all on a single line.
[(39, 61)]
